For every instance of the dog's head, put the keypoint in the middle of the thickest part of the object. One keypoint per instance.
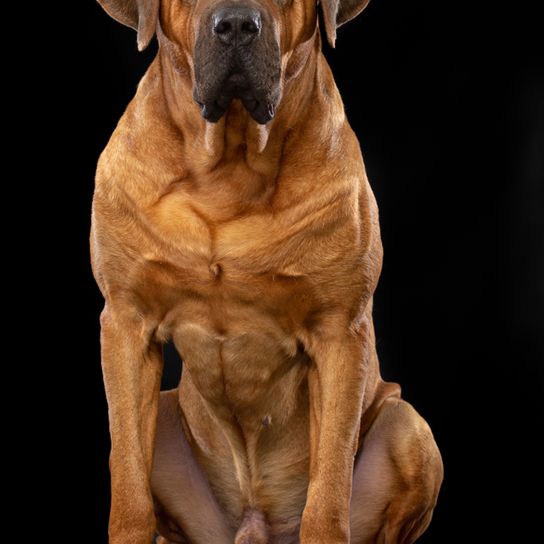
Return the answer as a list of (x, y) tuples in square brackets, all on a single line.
[(234, 49)]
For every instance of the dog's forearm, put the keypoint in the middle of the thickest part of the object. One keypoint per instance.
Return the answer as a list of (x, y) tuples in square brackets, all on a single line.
[(131, 365), (336, 392)]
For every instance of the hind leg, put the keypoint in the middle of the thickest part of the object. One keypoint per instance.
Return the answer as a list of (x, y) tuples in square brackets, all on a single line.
[(396, 478), (186, 509)]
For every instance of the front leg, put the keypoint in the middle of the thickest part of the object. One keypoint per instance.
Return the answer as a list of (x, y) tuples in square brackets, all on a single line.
[(132, 366), (336, 385)]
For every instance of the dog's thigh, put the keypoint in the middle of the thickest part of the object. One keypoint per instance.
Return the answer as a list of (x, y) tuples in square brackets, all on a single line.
[(186, 508), (396, 478)]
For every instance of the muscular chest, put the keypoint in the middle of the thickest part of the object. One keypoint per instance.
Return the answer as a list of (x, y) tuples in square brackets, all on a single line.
[(292, 238), (280, 263), (233, 295), (279, 266)]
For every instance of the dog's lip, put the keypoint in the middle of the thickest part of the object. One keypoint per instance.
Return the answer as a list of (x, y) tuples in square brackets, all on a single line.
[(211, 111), (261, 112), (250, 104), (236, 87)]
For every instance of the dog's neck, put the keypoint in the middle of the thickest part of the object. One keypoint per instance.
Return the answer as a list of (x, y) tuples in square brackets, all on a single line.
[(236, 136)]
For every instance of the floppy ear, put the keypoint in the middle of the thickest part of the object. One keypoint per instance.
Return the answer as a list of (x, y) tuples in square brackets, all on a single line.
[(141, 15), (338, 12)]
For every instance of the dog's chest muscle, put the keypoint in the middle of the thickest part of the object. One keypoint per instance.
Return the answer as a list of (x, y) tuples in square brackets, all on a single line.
[(224, 235), (205, 235)]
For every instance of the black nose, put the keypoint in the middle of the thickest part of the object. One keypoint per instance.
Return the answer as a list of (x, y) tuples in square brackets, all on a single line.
[(236, 25)]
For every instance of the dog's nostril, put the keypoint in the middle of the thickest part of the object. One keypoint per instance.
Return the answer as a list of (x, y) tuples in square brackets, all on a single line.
[(222, 27), (250, 27)]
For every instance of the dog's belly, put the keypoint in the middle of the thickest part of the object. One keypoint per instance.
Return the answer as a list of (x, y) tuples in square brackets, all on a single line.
[(244, 396)]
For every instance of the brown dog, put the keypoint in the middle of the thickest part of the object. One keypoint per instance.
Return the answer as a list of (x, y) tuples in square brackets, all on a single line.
[(232, 214)]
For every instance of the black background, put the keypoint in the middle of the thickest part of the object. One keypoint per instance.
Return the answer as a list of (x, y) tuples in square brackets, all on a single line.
[(447, 100)]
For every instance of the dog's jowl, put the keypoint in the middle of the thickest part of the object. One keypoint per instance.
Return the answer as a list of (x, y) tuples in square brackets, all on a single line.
[(233, 216)]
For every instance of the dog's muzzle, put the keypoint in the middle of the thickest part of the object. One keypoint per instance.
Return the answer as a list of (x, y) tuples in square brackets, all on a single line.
[(237, 57)]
